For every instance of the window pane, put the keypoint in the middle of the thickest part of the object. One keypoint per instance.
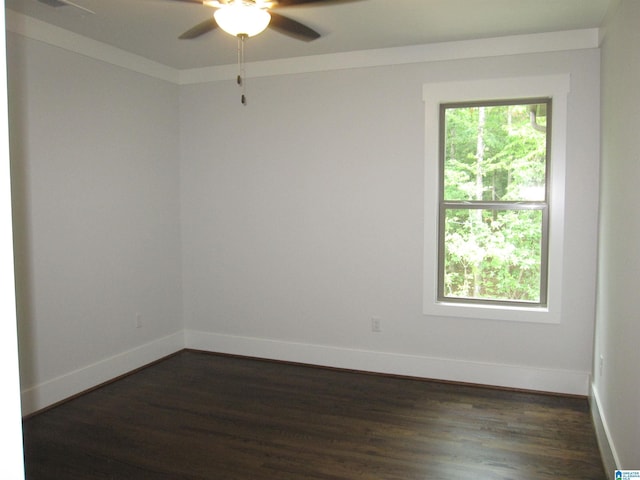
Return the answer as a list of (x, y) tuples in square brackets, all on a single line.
[(495, 153), (492, 254)]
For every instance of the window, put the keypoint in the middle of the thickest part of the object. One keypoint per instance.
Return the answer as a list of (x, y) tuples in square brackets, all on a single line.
[(494, 198), (493, 207)]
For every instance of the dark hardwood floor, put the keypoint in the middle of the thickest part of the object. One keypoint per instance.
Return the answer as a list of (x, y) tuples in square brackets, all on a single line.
[(203, 416)]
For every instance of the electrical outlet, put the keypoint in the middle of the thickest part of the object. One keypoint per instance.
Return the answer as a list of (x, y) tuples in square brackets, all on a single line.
[(376, 325), (138, 320)]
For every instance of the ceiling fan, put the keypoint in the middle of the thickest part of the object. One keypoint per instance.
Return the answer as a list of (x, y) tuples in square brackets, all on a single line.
[(255, 16), (247, 18)]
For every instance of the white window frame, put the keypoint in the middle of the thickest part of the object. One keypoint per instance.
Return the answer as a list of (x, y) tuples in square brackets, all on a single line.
[(434, 94)]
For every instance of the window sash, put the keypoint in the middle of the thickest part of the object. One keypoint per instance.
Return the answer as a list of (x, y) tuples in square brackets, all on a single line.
[(501, 206)]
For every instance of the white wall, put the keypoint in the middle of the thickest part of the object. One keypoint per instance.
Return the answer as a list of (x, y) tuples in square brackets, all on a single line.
[(11, 454), (295, 220), (617, 383), (96, 203), (302, 219)]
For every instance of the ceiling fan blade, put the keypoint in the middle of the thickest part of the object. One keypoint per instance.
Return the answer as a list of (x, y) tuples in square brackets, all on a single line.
[(293, 3), (63, 3), (200, 29), (292, 28)]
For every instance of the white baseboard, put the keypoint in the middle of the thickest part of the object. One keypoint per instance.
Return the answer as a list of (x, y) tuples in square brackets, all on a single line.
[(607, 448), (52, 391), (510, 376)]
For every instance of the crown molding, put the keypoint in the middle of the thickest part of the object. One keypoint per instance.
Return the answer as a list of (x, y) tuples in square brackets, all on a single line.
[(487, 47), (44, 32)]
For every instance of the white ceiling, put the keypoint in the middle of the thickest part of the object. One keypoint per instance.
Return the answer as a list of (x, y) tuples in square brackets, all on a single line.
[(150, 28)]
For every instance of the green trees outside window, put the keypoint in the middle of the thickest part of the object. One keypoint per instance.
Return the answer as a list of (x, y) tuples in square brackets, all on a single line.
[(493, 225)]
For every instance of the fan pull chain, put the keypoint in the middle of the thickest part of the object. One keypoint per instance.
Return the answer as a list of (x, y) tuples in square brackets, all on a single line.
[(241, 72)]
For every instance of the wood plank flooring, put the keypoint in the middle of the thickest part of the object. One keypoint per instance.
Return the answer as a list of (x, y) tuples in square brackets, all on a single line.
[(202, 416)]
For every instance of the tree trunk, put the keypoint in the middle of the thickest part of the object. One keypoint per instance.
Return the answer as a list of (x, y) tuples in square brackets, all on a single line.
[(477, 214)]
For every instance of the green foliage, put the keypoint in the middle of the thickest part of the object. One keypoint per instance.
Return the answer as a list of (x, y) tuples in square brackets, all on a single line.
[(494, 154)]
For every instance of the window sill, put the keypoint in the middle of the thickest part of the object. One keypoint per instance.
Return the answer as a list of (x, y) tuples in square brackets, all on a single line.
[(492, 312)]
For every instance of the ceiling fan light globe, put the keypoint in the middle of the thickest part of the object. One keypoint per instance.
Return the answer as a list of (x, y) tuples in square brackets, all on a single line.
[(240, 19)]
